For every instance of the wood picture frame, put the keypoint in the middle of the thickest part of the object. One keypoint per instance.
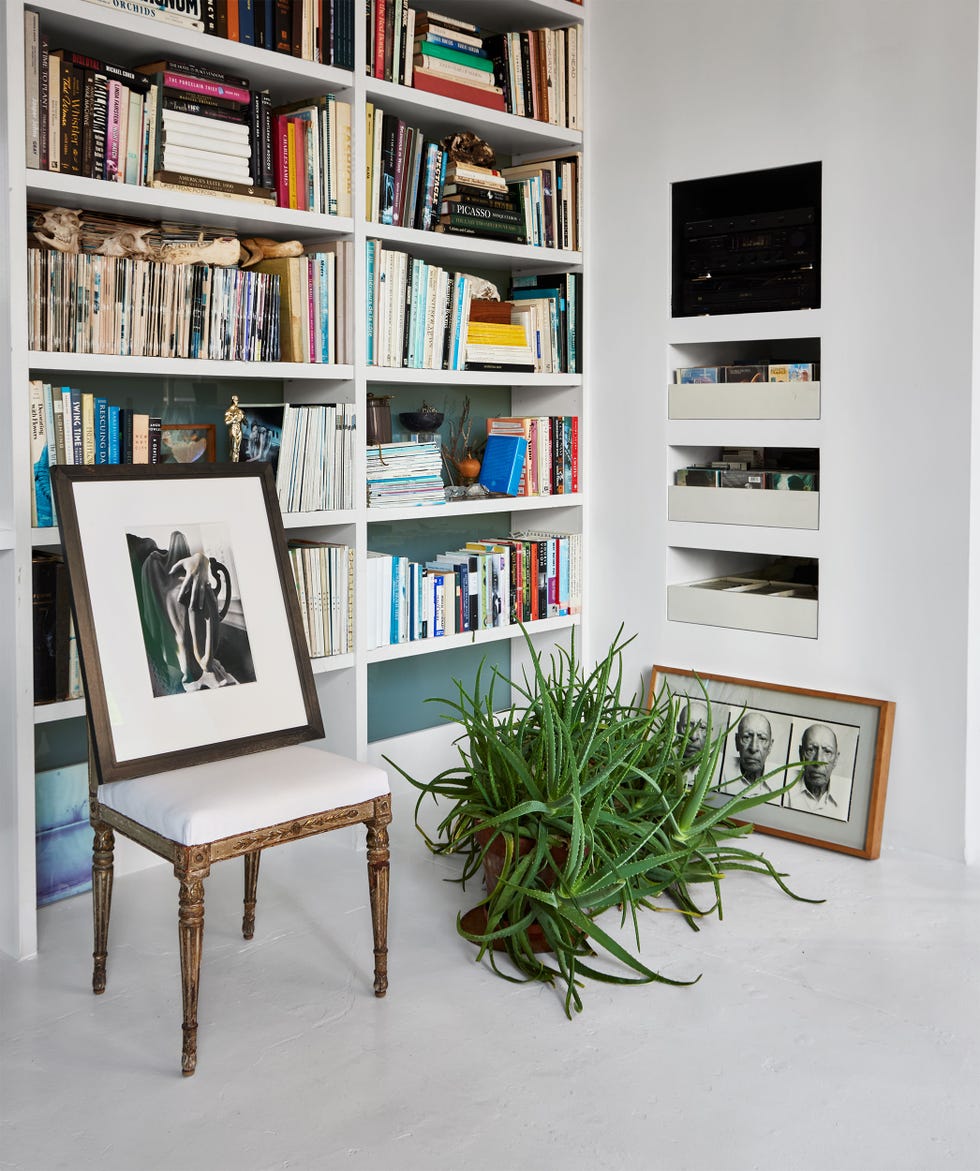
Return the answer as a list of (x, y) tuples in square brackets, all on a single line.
[(188, 443), (775, 736), (190, 636)]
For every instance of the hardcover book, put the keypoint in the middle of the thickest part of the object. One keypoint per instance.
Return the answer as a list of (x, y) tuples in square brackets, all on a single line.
[(503, 460)]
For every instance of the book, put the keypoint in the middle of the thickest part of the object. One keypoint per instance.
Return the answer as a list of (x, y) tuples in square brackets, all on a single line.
[(49, 590), (194, 69), (429, 50), (186, 13), (210, 185), (198, 85), (503, 461), (434, 83)]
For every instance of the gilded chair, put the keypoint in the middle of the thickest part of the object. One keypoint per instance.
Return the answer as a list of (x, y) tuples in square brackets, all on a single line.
[(201, 700)]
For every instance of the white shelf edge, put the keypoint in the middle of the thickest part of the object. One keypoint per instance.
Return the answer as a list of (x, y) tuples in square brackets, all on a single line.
[(735, 327), (475, 247), (770, 508), (328, 663), (424, 646), (744, 400), (7, 540), (185, 367), (392, 374), (158, 203), (66, 709), (755, 540), (299, 520), (690, 602), (46, 536), (476, 507)]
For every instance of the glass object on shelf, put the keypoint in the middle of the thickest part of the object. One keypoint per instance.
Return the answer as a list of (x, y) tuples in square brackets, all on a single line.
[(378, 419)]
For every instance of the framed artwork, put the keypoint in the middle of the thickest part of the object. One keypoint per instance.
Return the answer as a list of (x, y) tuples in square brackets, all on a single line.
[(188, 622), (261, 433), (832, 749), (187, 443)]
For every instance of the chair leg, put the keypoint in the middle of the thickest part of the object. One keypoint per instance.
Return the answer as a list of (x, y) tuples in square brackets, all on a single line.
[(102, 859), (377, 856), (191, 869), (251, 886)]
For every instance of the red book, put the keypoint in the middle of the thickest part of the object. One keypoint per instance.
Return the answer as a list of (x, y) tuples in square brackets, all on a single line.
[(199, 85), (476, 95), (379, 39)]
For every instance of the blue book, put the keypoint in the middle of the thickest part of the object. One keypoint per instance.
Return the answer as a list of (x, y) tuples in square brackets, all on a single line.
[(113, 435), (503, 459), (101, 430), (246, 22)]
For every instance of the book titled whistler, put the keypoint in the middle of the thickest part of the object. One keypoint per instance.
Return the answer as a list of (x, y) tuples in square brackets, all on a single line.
[(503, 459)]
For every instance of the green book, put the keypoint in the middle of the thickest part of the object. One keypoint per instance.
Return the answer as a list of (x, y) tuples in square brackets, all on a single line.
[(430, 49)]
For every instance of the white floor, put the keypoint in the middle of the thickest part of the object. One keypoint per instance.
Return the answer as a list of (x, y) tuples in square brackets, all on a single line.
[(829, 1037)]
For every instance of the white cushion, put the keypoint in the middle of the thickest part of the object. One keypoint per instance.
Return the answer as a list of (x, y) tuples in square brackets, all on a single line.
[(207, 802)]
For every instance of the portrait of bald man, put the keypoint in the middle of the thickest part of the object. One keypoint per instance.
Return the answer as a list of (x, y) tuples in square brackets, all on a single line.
[(820, 788), (758, 743)]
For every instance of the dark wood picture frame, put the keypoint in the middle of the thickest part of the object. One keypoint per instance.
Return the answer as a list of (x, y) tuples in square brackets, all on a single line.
[(784, 725), (137, 729), (207, 432)]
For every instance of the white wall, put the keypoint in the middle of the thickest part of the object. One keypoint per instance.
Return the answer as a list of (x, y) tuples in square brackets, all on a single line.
[(884, 93)]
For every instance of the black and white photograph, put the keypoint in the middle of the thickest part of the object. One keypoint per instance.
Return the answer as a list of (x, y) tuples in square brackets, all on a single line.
[(261, 433), (185, 600), (191, 614), (831, 749), (756, 753)]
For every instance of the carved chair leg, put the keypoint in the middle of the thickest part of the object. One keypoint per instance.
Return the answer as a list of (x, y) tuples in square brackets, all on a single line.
[(191, 870), (251, 886), (377, 856), (102, 858)]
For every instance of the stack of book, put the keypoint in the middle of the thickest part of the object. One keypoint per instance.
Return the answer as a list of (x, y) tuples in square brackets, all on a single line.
[(477, 201), (400, 474), (203, 127), (539, 71), (449, 60), (314, 472), (324, 575), (496, 346)]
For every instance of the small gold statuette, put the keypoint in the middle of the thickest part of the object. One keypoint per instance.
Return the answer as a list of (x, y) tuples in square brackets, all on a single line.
[(234, 417)]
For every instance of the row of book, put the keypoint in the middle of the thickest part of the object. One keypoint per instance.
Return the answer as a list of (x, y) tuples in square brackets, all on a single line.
[(532, 73), (551, 460), (324, 576), (313, 30), (314, 472), (405, 474), (419, 316), (92, 304), (705, 477), (750, 372), (57, 672), (487, 583), (183, 125), (314, 300), (71, 426)]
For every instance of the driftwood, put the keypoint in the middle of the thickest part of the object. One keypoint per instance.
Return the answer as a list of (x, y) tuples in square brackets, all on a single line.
[(258, 248)]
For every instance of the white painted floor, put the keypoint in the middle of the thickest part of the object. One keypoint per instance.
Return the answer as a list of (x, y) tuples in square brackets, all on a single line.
[(827, 1037)]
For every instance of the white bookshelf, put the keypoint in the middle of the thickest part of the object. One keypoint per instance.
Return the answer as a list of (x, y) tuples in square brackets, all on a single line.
[(342, 680)]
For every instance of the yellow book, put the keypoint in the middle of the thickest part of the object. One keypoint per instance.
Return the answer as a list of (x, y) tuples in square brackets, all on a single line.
[(369, 151), (88, 428), (293, 305), (495, 334)]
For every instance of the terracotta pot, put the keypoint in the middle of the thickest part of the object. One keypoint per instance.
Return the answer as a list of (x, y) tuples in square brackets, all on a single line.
[(468, 468), (475, 920)]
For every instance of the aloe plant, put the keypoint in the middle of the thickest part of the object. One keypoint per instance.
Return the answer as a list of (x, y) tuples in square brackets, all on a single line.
[(593, 803)]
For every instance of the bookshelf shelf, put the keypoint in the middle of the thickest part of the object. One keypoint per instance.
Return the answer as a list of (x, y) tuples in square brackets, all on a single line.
[(508, 134), (454, 250), (351, 695), (741, 506), (131, 40), (757, 541), (707, 606), (245, 218), (42, 361), (426, 646), (49, 713), (749, 400), (478, 507), (392, 375)]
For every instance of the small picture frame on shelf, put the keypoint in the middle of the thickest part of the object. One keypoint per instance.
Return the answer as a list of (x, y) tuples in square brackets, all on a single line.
[(262, 433), (831, 749), (187, 443)]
